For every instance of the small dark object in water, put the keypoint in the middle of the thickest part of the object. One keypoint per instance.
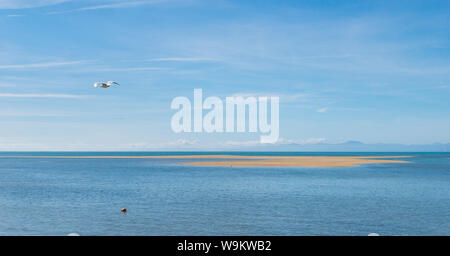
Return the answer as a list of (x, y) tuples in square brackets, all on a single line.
[(124, 210)]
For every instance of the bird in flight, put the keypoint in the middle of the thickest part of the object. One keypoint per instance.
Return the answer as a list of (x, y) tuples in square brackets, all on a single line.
[(104, 85)]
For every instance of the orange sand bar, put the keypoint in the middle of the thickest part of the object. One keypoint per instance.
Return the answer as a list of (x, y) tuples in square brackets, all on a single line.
[(263, 161)]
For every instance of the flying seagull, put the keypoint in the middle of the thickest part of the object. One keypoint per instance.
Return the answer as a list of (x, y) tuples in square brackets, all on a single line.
[(104, 85)]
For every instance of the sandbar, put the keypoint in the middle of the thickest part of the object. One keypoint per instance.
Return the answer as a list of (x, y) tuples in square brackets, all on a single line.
[(260, 160)]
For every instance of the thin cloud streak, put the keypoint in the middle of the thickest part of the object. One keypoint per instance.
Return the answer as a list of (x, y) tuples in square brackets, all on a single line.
[(186, 59), (7, 85), (40, 65), (294, 97), (23, 114), (125, 4), (15, 4), (280, 141), (133, 69), (49, 95)]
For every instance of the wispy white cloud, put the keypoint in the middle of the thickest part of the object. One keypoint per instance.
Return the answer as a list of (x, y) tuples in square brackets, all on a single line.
[(40, 65), (116, 5), (314, 141), (122, 4), (358, 45), (280, 141), (38, 95), (243, 143), (133, 69), (183, 142), (167, 145), (7, 85), (345, 56), (190, 59), (293, 97), (322, 110), (29, 114), (21, 4)]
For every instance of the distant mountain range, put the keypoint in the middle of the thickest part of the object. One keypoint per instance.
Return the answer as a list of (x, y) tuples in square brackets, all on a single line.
[(349, 146)]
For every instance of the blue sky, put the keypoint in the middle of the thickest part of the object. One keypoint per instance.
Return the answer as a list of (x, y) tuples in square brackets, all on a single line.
[(372, 71)]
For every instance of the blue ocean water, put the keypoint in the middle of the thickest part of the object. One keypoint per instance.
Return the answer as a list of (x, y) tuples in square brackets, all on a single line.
[(58, 196)]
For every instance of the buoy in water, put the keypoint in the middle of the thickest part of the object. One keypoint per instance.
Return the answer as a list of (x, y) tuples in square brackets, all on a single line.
[(124, 210)]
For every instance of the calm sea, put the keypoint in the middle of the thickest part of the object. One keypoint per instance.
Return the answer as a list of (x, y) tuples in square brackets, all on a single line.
[(51, 196)]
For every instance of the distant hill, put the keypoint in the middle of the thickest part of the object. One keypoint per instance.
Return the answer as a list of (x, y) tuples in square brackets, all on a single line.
[(349, 146)]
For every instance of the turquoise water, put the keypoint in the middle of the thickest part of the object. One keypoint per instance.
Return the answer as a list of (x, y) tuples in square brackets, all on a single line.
[(57, 196)]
